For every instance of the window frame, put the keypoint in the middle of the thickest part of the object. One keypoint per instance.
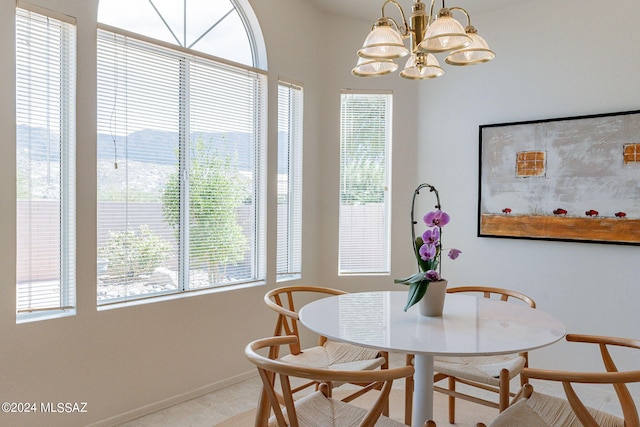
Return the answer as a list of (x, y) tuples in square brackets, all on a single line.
[(290, 116), (257, 250), (353, 219), (66, 57), (247, 17)]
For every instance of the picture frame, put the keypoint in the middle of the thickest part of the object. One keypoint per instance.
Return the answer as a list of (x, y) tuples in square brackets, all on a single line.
[(568, 179)]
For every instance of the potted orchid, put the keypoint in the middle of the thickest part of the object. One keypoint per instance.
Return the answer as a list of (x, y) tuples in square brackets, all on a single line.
[(427, 249)]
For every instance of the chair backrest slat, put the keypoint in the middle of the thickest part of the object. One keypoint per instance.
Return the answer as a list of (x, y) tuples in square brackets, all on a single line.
[(287, 395), (617, 379), (269, 368), (282, 301), (627, 403), (578, 407), (268, 387), (488, 292)]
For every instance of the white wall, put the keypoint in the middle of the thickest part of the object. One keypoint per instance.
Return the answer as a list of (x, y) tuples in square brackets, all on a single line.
[(128, 361), (554, 59)]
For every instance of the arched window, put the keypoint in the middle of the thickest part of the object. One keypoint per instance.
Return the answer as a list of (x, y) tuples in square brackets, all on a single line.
[(223, 28), (181, 131)]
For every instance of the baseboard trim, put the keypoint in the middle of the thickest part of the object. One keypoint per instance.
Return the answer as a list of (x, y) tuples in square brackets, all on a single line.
[(171, 401)]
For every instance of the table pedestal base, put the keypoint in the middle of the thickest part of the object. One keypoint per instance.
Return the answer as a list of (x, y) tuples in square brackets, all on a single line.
[(422, 390)]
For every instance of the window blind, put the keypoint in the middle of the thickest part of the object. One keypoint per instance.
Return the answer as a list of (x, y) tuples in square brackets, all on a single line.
[(179, 170), (45, 160), (365, 141), (290, 119)]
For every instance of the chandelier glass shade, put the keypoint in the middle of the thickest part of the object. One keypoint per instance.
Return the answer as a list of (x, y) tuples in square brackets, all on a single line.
[(444, 34), (475, 53), (367, 67), (427, 34), (383, 42), (421, 66)]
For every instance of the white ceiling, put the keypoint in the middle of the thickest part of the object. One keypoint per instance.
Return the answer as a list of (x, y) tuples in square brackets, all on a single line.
[(370, 9)]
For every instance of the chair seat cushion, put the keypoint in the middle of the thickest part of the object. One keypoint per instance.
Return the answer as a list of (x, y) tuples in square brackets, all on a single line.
[(483, 369), (541, 410), (315, 410), (335, 355)]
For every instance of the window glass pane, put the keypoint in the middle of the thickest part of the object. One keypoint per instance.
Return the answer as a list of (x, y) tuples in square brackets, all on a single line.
[(45, 157), (138, 146), (210, 26), (365, 139), (227, 40), (179, 163), (289, 245), (222, 189)]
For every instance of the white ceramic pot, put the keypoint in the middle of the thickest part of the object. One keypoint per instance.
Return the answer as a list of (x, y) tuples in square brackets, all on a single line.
[(432, 303)]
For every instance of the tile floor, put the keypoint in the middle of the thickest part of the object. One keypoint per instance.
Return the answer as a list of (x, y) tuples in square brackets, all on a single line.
[(207, 410), (215, 407)]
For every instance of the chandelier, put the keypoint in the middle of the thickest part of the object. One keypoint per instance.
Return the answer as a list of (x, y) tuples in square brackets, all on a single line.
[(427, 35)]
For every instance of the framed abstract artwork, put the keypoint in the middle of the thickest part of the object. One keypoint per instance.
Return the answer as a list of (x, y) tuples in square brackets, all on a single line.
[(570, 179)]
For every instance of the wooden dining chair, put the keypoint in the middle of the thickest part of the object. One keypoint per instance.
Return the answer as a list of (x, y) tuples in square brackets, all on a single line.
[(490, 373), (541, 410), (318, 409), (286, 301)]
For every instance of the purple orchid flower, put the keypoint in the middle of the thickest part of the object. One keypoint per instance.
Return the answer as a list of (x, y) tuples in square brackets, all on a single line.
[(454, 253), (432, 275), (427, 251), (436, 218), (432, 235)]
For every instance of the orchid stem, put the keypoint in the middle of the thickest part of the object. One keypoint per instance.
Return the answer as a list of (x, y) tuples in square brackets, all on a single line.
[(416, 250)]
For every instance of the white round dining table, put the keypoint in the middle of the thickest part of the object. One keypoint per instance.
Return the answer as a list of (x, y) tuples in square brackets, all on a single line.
[(469, 326)]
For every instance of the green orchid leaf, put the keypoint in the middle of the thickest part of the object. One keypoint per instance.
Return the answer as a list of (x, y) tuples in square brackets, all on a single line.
[(416, 292), (418, 277), (404, 281), (411, 279)]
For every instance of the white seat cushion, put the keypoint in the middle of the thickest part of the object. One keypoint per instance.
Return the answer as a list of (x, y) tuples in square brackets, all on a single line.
[(541, 410), (315, 410), (483, 369), (336, 355)]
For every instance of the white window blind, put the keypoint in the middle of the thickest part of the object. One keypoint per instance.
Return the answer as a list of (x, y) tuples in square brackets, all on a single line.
[(179, 170), (290, 118), (45, 157), (365, 154)]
